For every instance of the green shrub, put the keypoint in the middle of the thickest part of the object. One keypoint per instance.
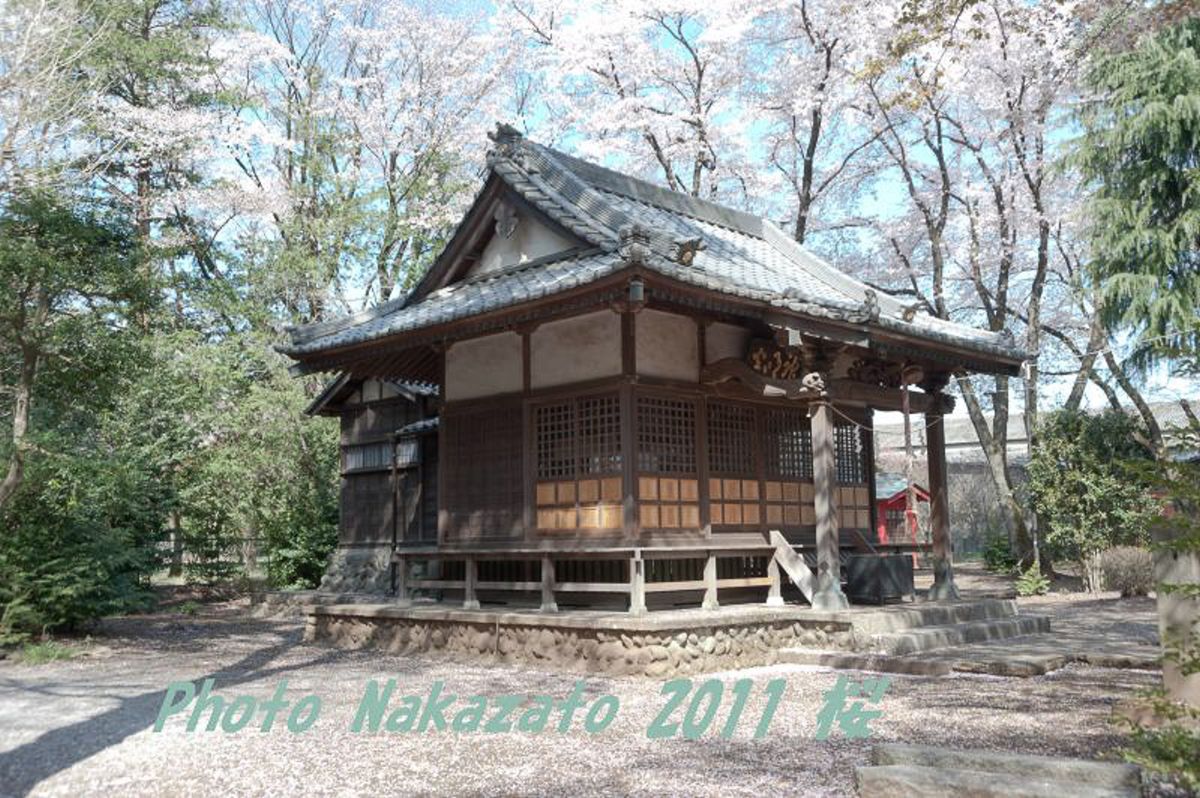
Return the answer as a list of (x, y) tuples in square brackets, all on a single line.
[(998, 555), (47, 651), (1128, 570), (78, 545), (1170, 747), (1087, 486), (1032, 582)]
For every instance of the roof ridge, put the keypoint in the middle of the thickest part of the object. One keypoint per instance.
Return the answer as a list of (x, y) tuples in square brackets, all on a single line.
[(302, 333), (666, 199), (856, 290), (575, 253)]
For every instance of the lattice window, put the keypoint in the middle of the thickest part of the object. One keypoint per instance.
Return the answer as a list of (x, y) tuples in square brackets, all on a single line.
[(599, 438), (367, 456), (854, 503), (484, 491), (555, 425), (788, 447), (733, 490), (666, 435), (578, 444), (787, 451), (668, 489), (730, 439), (851, 464)]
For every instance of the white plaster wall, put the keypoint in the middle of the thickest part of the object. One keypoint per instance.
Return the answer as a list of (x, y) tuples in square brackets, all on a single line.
[(725, 340), (375, 390), (667, 346), (530, 240), (484, 366), (576, 349)]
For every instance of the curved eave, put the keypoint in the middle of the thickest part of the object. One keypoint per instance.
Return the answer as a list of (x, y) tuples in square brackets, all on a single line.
[(890, 337)]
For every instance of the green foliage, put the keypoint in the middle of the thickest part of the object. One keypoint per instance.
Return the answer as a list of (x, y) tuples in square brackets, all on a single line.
[(1128, 569), (998, 555), (186, 608), (250, 474), (1141, 150), (1087, 488), (46, 651), (1032, 582), (79, 543), (1172, 747)]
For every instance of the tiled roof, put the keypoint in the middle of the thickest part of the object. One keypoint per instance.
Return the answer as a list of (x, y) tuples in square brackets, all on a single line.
[(422, 427), (624, 220)]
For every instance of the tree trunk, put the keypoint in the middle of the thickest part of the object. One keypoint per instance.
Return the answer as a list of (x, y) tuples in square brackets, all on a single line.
[(20, 424), (1093, 578), (997, 462), (1156, 443), (176, 528)]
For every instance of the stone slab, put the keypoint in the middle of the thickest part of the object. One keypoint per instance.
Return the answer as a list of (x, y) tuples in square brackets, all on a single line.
[(905, 781), (1112, 775), (852, 661), (1034, 655)]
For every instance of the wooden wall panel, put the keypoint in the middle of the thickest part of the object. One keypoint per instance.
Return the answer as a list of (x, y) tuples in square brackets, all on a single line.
[(483, 488)]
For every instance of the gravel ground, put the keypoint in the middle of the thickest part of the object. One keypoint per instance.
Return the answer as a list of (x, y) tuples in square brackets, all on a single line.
[(84, 726)]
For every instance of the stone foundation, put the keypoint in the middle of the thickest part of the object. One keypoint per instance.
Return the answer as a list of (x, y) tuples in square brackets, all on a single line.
[(658, 648), (359, 570)]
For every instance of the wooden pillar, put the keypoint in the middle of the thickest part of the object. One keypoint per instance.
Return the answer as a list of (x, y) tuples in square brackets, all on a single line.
[(637, 584), (828, 595), (710, 583), (939, 510), (775, 591), (629, 506), (868, 439), (548, 602), (470, 602), (401, 563)]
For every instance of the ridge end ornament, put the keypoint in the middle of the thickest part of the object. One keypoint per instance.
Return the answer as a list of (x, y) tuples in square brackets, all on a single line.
[(870, 307), (633, 243), (686, 249), (506, 221), (508, 144)]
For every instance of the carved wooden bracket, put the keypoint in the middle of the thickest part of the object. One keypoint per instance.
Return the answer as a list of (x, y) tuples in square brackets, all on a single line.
[(731, 368)]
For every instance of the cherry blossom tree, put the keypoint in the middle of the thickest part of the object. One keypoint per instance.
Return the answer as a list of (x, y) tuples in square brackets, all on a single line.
[(44, 99), (807, 61), (966, 111), (654, 88), (374, 116)]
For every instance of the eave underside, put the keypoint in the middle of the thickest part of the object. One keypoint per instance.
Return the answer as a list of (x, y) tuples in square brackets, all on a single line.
[(416, 355)]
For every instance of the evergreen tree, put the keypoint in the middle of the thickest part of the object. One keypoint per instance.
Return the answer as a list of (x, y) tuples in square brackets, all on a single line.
[(1141, 149)]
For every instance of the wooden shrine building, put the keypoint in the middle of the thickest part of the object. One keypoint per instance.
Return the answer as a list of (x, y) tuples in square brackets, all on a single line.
[(605, 391)]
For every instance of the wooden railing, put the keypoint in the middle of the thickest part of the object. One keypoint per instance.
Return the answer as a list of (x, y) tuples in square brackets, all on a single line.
[(635, 584), (636, 578)]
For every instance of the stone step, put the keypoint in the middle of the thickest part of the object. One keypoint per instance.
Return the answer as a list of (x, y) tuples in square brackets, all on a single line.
[(1109, 775), (910, 616), (853, 661), (912, 641), (902, 781)]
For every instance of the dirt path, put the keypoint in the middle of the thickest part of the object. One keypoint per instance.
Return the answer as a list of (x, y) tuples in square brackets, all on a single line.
[(84, 726)]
